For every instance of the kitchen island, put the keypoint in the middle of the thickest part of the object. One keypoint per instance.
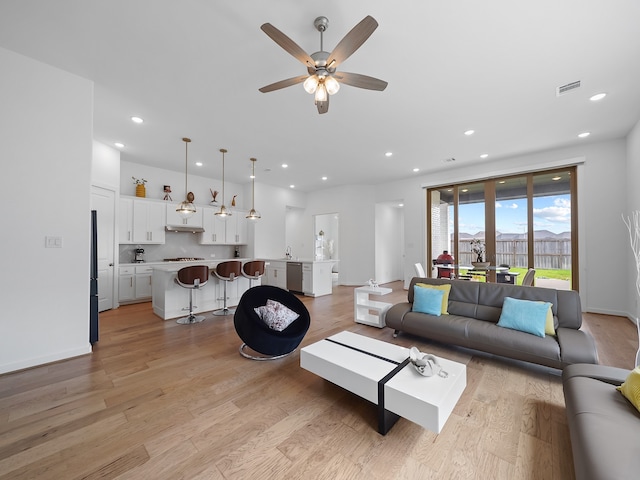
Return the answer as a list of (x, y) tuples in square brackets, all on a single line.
[(316, 279), (170, 300)]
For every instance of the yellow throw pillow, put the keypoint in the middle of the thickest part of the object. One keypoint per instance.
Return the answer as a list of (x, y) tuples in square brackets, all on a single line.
[(631, 387), (446, 288), (549, 328)]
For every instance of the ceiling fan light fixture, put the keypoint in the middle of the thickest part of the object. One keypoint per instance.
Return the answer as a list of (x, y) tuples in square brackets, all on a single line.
[(321, 93), (186, 209), (311, 84), (332, 85)]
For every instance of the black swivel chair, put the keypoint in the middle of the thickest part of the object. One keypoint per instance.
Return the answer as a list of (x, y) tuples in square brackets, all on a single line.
[(193, 278), (255, 334)]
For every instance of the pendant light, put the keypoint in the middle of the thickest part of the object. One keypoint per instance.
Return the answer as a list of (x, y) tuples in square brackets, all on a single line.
[(223, 212), (186, 207), (253, 215)]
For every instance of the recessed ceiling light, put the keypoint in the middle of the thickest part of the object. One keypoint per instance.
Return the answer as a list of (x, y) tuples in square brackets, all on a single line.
[(119, 145), (502, 181), (465, 190), (284, 165), (198, 164), (136, 120), (401, 204), (252, 176), (324, 178), (598, 96), (484, 155), (292, 186), (469, 132), (555, 179), (388, 154), (584, 134), (416, 169)]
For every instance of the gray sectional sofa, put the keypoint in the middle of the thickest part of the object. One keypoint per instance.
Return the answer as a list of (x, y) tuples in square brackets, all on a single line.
[(474, 309), (604, 426)]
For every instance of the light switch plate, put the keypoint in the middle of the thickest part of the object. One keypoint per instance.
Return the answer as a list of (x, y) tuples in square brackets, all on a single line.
[(52, 242)]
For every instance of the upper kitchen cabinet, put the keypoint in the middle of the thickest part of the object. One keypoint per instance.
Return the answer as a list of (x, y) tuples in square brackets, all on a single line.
[(148, 222), (237, 228), (176, 220), (141, 221), (214, 228)]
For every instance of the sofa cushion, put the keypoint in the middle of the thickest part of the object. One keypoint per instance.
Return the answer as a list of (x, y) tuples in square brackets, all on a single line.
[(427, 300), (524, 315), (445, 297), (631, 388)]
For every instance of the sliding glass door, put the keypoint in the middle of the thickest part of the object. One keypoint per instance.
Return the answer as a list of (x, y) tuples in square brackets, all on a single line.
[(515, 223)]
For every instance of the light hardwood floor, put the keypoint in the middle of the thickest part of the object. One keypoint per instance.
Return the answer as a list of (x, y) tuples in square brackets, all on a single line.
[(157, 400)]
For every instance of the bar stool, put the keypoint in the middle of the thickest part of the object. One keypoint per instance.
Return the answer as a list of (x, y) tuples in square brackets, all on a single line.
[(228, 272), (253, 270), (193, 278)]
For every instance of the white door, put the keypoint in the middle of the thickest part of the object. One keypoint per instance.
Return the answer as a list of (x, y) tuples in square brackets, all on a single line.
[(104, 202)]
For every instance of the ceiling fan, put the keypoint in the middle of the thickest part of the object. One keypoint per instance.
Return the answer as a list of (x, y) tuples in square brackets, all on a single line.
[(323, 79)]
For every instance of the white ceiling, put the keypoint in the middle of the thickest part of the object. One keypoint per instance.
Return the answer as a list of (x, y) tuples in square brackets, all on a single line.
[(193, 68)]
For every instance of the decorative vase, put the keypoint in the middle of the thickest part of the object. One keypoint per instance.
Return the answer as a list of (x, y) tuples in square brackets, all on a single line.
[(140, 190)]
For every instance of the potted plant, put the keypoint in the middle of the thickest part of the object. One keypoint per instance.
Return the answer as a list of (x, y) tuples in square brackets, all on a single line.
[(140, 188), (477, 249)]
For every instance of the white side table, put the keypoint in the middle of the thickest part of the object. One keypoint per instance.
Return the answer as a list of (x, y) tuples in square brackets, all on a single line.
[(370, 312)]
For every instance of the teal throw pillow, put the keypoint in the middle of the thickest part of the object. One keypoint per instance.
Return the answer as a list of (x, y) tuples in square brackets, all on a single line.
[(524, 315), (427, 300)]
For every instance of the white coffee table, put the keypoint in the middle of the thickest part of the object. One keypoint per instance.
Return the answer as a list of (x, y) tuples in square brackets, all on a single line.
[(380, 373)]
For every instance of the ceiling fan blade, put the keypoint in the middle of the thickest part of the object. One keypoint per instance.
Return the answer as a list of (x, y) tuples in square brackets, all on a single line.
[(360, 81), (352, 41), (323, 107), (289, 45), (283, 83)]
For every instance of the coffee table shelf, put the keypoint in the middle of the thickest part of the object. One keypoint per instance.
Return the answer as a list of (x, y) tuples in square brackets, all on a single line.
[(367, 311)]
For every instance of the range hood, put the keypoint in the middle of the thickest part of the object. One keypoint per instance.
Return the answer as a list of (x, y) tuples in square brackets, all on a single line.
[(184, 228)]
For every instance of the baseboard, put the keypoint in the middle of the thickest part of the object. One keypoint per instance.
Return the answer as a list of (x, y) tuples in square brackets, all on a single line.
[(38, 361)]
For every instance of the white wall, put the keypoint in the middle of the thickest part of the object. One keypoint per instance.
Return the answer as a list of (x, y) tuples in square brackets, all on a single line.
[(105, 167), (633, 203), (389, 243), (46, 150)]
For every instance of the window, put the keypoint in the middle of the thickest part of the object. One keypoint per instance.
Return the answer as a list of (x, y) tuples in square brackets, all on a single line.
[(522, 221)]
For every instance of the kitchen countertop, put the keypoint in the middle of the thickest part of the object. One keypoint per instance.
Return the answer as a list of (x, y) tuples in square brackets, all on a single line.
[(161, 263), (299, 260)]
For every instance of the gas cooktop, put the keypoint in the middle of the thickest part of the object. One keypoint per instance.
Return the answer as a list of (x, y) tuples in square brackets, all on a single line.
[(183, 259)]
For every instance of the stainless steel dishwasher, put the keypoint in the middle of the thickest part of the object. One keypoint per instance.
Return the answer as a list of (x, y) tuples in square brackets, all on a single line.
[(294, 277)]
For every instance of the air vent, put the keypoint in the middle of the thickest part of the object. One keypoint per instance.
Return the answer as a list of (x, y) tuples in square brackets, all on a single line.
[(567, 88), (449, 160)]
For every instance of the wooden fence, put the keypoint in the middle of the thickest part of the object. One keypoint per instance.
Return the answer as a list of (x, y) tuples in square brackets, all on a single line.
[(548, 253)]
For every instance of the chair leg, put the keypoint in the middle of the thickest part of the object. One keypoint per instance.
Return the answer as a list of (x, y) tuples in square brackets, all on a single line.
[(224, 311), (262, 358), (191, 318)]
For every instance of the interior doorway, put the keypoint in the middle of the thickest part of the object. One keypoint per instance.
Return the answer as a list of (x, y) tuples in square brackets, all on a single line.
[(103, 201), (326, 236)]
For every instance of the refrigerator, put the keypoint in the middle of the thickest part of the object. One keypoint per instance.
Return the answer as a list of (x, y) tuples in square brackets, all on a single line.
[(93, 281)]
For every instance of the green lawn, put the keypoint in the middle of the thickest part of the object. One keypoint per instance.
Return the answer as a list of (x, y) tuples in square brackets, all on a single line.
[(554, 274)]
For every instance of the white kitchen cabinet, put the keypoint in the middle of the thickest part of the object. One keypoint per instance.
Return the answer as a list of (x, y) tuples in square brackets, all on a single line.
[(134, 284), (275, 273), (174, 219), (236, 231), (214, 228), (143, 283), (148, 221), (307, 278), (126, 285), (126, 220)]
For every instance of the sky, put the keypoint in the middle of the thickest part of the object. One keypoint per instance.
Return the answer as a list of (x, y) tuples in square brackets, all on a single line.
[(549, 213)]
